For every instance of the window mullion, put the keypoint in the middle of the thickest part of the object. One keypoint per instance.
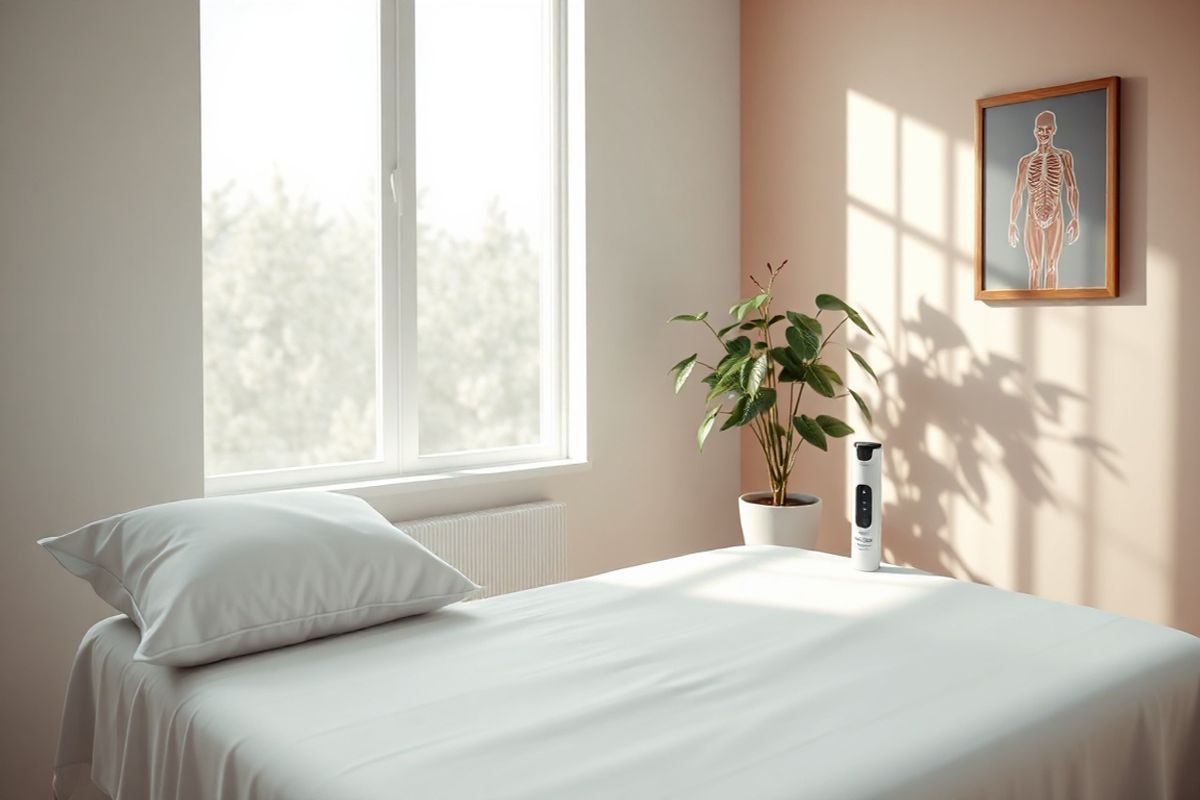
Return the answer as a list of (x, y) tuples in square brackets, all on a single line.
[(554, 295), (388, 285), (405, 296)]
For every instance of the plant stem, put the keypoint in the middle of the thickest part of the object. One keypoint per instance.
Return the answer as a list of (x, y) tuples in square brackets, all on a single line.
[(821, 349), (770, 442), (714, 332), (771, 451), (763, 446)]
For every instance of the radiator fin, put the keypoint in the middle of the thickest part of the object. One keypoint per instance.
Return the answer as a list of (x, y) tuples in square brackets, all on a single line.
[(502, 549)]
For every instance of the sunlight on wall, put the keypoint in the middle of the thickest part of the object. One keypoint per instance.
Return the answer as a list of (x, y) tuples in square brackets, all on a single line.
[(871, 152), (1004, 437), (871, 267), (923, 178), (964, 212), (924, 265), (871, 245)]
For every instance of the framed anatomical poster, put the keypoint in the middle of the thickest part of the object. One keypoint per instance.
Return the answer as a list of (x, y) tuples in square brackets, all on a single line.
[(1046, 193)]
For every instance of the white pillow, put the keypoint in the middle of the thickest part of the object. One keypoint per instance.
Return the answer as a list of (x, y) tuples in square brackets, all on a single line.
[(219, 577)]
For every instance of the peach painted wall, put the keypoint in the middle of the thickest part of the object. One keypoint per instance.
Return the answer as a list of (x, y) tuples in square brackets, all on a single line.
[(1045, 448)]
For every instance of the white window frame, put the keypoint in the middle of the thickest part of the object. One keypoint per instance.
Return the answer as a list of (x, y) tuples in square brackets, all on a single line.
[(563, 384)]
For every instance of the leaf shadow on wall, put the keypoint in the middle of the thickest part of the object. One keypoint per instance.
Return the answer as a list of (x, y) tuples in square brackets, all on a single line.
[(938, 451)]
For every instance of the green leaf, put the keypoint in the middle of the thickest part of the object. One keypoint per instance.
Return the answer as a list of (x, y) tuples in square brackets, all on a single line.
[(758, 371), (742, 307), (862, 405), (762, 403), (725, 362), (730, 365), (728, 378), (739, 346), (787, 376), (786, 359), (830, 374), (690, 317), (706, 425), (683, 369), (760, 324), (803, 342), (757, 405), (727, 383), (683, 363), (830, 303), (747, 408), (834, 426), (862, 362), (774, 319), (810, 431), (710, 379), (721, 333), (805, 321), (819, 382), (736, 412)]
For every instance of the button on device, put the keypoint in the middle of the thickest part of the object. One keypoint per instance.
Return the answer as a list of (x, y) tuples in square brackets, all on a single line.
[(862, 506)]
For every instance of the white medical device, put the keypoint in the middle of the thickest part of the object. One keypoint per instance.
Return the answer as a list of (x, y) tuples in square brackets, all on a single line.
[(866, 532)]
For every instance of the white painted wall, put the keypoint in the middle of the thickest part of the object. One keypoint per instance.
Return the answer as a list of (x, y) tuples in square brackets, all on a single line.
[(99, 316), (100, 374)]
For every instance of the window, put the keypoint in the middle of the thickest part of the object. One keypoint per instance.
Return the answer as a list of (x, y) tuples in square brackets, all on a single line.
[(388, 194)]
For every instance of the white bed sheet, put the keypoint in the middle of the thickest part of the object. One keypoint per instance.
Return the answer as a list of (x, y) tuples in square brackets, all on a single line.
[(750, 672)]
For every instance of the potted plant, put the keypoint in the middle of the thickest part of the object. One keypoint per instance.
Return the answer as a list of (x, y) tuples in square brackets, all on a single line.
[(767, 361)]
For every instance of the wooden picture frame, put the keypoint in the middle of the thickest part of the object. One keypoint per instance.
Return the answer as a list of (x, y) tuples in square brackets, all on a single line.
[(1036, 221)]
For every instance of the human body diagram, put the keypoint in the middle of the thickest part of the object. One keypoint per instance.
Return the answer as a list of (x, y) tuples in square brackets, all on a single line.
[(1047, 175)]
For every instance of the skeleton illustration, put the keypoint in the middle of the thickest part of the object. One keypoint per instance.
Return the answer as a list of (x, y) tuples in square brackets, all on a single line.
[(1043, 173)]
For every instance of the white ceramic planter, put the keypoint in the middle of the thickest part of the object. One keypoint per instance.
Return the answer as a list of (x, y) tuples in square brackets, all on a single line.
[(790, 526)]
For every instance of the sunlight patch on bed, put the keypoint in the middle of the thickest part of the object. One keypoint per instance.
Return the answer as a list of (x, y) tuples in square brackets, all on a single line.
[(849, 593)]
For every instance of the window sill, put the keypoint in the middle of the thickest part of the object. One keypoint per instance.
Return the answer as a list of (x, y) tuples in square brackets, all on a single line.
[(455, 479)]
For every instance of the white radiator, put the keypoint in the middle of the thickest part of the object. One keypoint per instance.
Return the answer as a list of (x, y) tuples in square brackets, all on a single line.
[(501, 549)]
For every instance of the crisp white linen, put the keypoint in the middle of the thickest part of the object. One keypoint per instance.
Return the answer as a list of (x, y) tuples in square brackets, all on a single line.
[(751, 672), (217, 577)]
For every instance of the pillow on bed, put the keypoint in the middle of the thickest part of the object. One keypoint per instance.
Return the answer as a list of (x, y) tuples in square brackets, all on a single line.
[(224, 576)]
